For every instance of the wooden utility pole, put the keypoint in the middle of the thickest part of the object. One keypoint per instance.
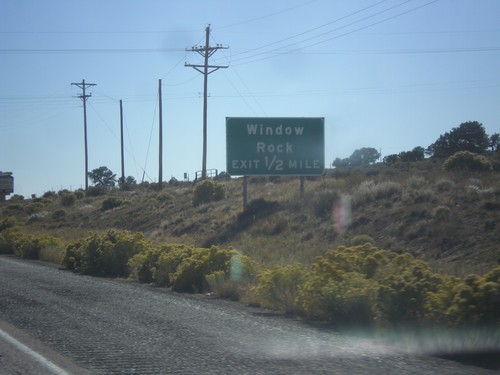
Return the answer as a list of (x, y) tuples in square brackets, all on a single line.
[(160, 163), (84, 98), (121, 142), (205, 69)]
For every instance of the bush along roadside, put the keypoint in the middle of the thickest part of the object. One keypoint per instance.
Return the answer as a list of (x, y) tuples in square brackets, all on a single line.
[(28, 246), (358, 285)]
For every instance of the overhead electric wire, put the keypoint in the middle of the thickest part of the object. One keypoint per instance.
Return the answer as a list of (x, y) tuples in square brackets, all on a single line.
[(86, 50), (313, 29), (136, 163), (249, 91), (276, 54), (150, 137), (374, 23), (239, 93), (266, 16)]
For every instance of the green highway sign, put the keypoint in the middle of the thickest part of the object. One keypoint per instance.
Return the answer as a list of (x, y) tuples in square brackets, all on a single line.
[(288, 146)]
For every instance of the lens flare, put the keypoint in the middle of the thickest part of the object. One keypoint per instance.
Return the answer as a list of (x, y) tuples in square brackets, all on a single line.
[(342, 213), (236, 270)]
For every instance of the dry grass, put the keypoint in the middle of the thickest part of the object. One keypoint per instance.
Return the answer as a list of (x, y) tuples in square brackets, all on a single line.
[(448, 218)]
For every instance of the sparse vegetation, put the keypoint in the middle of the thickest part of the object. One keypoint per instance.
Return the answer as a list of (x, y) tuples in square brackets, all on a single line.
[(68, 199), (28, 246), (110, 203), (466, 161), (278, 287), (208, 191), (105, 254), (376, 245)]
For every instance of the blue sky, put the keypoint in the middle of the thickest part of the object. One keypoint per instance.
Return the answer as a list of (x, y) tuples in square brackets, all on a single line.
[(391, 74)]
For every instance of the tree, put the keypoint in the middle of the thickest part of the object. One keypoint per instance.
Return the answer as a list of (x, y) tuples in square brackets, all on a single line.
[(391, 159), (495, 142), (469, 136), (417, 154), (338, 162), (364, 156), (126, 184), (103, 177)]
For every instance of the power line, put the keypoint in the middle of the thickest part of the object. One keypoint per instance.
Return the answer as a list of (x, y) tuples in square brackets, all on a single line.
[(77, 50), (275, 54), (315, 28), (267, 16), (150, 137)]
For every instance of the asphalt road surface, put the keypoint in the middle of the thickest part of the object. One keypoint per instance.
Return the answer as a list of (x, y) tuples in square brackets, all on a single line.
[(57, 322)]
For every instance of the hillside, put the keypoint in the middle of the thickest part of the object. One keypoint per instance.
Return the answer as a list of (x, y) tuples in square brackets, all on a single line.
[(450, 219)]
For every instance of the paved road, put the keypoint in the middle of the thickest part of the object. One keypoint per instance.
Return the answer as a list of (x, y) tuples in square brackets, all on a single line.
[(117, 327)]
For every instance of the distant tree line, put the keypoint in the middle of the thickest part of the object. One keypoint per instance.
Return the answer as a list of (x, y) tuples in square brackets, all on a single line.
[(417, 154), (469, 136), (362, 156)]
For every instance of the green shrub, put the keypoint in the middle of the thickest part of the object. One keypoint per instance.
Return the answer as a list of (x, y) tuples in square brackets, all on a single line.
[(8, 239), (439, 302), (79, 194), (404, 287), (278, 287), (190, 274), (164, 197), (33, 208), (323, 203), (110, 203), (143, 265), (29, 246), (361, 240), (184, 268), (441, 212), (477, 300), (7, 223), (68, 199), (172, 255), (95, 191), (105, 254), (444, 185), (235, 285), (58, 214), (208, 191), (369, 191), (49, 194), (416, 182), (14, 207), (344, 300), (32, 246), (365, 285), (342, 287), (466, 161)]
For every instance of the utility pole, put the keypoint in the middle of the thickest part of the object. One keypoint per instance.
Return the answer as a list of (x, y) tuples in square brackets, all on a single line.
[(205, 69), (84, 98), (160, 172), (121, 143)]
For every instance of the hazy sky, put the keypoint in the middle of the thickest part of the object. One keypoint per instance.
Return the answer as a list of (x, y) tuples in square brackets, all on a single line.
[(391, 74)]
